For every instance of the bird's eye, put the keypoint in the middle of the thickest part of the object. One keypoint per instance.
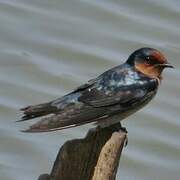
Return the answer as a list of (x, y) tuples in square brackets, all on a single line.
[(151, 60), (147, 58)]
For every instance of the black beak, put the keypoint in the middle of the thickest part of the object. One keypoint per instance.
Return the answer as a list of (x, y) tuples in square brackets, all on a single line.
[(166, 65)]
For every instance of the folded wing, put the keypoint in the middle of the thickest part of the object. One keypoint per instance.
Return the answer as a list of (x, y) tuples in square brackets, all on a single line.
[(90, 102)]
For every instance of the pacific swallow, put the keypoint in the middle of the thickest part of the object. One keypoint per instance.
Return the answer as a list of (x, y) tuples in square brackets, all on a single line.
[(107, 99)]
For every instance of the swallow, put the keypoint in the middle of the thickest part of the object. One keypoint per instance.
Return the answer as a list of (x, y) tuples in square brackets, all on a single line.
[(105, 100)]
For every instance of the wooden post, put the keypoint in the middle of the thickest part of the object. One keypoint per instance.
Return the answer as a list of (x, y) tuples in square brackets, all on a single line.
[(96, 157)]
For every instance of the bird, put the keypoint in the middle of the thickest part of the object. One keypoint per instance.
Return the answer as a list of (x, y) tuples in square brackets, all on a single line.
[(105, 100)]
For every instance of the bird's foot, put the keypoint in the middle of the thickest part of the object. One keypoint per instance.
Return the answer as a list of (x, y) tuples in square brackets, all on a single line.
[(123, 129)]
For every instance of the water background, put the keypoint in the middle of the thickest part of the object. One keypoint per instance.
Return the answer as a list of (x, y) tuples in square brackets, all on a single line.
[(48, 48)]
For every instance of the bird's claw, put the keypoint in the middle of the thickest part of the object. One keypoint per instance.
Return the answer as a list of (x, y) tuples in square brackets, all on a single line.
[(123, 129)]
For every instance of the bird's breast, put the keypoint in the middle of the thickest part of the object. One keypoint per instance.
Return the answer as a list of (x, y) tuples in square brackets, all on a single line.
[(126, 111)]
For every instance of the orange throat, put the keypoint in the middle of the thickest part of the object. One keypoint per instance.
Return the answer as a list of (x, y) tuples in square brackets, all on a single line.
[(150, 70)]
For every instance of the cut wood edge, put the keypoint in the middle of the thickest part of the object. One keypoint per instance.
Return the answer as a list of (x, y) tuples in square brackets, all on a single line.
[(108, 161)]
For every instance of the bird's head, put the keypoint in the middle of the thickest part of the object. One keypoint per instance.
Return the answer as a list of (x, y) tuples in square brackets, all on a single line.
[(149, 61)]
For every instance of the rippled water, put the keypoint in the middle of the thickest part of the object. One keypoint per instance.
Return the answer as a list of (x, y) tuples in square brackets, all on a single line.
[(47, 48)]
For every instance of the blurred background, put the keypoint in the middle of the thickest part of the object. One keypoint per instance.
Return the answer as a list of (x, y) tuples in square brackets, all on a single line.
[(48, 48)]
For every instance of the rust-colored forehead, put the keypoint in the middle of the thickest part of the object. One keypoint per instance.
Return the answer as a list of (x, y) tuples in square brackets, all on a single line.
[(159, 56)]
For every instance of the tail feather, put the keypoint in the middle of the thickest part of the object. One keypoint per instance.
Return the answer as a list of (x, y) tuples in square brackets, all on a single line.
[(31, 112), (45, 125), (71, 116), (52, 123), (63, 113)]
